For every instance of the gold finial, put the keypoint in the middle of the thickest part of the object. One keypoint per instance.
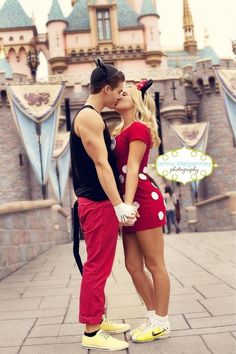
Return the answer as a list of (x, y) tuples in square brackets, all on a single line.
[(190, 45), (188, 20)]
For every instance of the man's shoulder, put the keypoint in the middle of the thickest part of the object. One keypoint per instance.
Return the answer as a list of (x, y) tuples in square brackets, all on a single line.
[(90, 118)]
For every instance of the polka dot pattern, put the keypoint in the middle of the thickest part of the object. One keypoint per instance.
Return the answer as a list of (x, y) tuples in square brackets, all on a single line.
[(124, 168), (121, 178), (145, 170), (154, 195), (161, 215), (113, 144), (142, 176)]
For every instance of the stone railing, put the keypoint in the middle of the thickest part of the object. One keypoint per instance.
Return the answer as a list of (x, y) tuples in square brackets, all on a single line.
[(29, 228)]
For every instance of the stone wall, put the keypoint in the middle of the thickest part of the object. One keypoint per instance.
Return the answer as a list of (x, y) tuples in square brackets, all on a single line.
[(221, 208), (14, 172), (27, 229), (220, 146)]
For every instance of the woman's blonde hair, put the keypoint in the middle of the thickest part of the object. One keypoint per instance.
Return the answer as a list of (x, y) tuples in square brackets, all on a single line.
[(145, 112)]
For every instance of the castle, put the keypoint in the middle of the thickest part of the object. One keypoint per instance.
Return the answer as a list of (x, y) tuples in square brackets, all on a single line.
[(125, 33)]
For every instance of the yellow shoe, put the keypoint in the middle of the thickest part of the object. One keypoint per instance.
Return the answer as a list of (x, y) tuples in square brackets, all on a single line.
[(103, 341), (152, 333), (139, 329), (112, 328)]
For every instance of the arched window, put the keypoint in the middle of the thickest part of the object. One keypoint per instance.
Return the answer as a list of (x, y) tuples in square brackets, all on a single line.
[(11, 39), (21, 38)]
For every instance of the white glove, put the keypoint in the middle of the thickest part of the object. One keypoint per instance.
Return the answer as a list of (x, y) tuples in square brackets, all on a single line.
[(124, 212)]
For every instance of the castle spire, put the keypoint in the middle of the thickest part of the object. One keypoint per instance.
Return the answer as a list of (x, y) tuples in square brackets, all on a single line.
[(148, 8), (190, 45), (12, 15), (55, 13)]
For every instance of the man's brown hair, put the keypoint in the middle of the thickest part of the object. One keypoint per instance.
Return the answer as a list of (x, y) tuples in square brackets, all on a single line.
[(113, 82)]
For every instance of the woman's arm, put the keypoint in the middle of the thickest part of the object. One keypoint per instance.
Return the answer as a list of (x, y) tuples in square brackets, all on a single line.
[(136, 151)]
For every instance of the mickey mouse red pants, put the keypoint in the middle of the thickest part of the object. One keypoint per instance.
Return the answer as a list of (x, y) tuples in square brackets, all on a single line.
[(100, 228)]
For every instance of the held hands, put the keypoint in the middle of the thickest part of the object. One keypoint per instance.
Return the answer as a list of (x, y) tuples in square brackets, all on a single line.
[(126, 214)]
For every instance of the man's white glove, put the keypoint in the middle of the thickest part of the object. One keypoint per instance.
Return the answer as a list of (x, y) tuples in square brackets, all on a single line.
[(125, 212)]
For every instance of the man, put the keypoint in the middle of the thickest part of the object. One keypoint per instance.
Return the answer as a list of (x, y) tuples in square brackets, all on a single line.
[(100, 206)]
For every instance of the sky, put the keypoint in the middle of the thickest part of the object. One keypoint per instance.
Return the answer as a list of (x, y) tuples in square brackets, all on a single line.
[(218, 17)]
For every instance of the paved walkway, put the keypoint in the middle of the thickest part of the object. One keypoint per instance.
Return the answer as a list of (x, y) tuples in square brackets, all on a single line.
[(38, 303)]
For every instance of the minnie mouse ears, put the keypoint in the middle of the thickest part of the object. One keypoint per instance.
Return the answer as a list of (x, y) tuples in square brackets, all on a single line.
[(102, 72), (144, 85)]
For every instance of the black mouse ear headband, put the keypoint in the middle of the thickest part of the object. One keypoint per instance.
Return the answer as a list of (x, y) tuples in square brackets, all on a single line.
[(143, 86), (100, 64)]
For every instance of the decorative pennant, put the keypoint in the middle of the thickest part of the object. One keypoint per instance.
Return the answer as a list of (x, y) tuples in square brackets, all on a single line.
[(227, 80), (60, 165), (36, 111), (195, 136)]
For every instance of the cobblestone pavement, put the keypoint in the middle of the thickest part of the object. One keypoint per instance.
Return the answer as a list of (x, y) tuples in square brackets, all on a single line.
[(38, 303)]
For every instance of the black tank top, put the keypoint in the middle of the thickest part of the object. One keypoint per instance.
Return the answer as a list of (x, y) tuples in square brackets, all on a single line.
[(85, 180)]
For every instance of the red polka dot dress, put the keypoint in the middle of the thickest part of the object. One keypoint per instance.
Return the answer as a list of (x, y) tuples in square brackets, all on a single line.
[(148, 197)]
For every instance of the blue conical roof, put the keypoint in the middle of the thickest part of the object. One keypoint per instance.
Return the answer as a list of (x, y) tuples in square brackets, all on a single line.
[(127, 17), (55, 13), (148, 8), (79, 19), (13, 15)]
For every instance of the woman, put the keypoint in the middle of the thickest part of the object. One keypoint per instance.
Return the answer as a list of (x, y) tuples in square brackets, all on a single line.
[(143, 242), (170, 199)]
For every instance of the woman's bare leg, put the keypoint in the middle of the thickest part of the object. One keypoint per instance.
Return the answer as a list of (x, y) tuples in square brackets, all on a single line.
[(151, 245), (134, 263)]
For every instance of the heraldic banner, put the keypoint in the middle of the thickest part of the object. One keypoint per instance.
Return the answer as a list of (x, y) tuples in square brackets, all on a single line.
[(36, 110), (193, 136), (227, 79), (60, 165)]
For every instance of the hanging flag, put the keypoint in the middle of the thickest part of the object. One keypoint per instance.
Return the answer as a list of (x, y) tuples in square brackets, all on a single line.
[(36, 111), (227, 79), (60, 165), (194, 136)]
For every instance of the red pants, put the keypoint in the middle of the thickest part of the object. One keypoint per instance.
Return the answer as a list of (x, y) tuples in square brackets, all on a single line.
[(100, 228)]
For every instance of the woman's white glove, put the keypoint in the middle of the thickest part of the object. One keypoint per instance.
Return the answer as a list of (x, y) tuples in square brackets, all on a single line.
[(125, 213)]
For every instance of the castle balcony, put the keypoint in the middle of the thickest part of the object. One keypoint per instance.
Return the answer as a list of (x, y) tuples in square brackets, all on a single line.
[(108, 52), (42, 39)]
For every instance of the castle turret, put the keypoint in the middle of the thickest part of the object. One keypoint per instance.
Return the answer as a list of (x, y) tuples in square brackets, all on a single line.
[(17, 33), (149, 19), (190, 45), (57, 47)]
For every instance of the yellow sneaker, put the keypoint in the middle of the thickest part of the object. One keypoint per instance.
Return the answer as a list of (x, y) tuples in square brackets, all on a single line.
[(112, 328), (103, 341), (151, 333), (139, 329)]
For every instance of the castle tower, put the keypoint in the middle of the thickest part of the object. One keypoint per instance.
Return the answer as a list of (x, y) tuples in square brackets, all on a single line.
[(17, 33), (190, 45), (57, 48), (149, 19)]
